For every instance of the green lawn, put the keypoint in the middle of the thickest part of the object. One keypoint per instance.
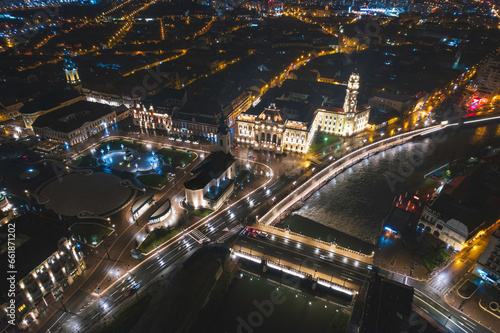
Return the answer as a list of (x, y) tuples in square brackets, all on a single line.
[(84, 162), (115, 144), (202, 212), (434, 259), (176, 157), (157, 237), (90, 233), (322, 139), (153, 180), (339, 322)]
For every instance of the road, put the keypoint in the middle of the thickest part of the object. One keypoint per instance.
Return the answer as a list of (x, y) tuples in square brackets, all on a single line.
[(82, 307), (426, 297)]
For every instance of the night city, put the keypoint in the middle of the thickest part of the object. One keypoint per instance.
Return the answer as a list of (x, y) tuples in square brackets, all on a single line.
[(250, 166)]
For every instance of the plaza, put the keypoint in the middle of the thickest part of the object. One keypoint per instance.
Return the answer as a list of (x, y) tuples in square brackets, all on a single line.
[(130, 161), (98, 193)]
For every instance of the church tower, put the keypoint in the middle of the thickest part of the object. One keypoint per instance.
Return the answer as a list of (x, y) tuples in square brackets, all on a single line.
[(351, 103), (223, 135), (71, 71), (351, 96)]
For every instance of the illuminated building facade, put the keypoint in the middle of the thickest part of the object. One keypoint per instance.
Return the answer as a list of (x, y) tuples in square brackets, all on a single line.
[(450, 221), (486, 85), (175, 123), (488, 264), (77, 122), (270, 130), (45, 281), (71, 71), (212, 181)]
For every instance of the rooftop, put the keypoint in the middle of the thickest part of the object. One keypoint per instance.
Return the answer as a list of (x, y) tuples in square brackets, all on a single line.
[(72, 117), (41, 237), (393, 97), (388, 306), (162, 210), (49, 101), (210, 168)]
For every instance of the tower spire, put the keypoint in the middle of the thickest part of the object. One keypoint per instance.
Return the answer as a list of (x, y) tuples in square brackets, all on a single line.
[(71, 71), (223, 135)]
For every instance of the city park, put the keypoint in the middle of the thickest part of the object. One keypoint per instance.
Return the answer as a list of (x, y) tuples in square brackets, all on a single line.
[(104, 181)]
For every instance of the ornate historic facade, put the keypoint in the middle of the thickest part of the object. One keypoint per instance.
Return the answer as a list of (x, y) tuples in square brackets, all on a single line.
[(153, 119), (270, 130)]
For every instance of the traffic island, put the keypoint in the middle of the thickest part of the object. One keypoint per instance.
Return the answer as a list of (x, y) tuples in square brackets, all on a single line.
[(201, 212), (467, 289), (90, 233), (156, 238)]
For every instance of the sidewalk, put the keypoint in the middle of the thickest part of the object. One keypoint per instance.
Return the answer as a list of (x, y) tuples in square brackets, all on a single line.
[(395, 257), (471, 307), (299, 267), (315, 242)]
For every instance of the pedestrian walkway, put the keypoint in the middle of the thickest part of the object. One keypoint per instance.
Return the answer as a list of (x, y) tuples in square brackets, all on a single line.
[(338, 280), (316, 243), (198, 235)]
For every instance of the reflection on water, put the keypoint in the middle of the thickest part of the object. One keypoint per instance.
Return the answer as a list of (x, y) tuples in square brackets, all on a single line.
[(357, 200)]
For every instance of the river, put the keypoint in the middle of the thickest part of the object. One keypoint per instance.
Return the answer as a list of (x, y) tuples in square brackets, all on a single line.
[(357, 200)]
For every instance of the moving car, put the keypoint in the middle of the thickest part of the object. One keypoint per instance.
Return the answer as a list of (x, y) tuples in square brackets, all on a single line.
[(262, 234)]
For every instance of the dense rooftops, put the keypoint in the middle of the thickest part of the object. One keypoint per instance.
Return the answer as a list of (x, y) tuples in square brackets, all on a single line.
[(393, 97), (72, 117), (49, 101)]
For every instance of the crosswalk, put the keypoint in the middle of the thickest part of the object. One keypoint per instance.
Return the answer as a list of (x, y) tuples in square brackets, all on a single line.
[(397, 277), (198, 235), (230, 233), (438, 284)]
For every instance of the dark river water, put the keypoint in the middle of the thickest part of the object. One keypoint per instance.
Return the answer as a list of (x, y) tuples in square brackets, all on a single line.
[(357, 200)]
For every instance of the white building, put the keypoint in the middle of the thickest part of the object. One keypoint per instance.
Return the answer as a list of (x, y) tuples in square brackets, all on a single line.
[(77, 122), (450, 221), (212, 181), (270, 130)]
